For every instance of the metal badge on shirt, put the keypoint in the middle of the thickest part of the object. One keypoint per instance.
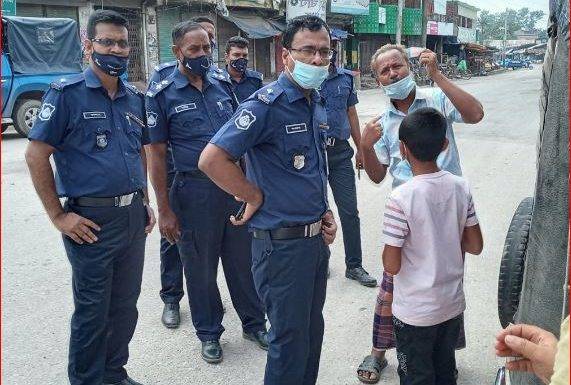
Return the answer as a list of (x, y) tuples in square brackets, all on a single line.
[(101, 141), (298, 161)]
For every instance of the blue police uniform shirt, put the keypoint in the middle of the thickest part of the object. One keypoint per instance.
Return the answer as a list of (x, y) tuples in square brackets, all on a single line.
[(187, 118), (250, 83), (98, 141), (339, 93), (284, 137)]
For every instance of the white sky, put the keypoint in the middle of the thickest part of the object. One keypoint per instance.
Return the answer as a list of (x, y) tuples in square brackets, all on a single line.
[(500, 5)]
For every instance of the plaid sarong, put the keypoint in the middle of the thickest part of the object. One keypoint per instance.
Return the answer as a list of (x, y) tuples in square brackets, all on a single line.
[(383, 333)]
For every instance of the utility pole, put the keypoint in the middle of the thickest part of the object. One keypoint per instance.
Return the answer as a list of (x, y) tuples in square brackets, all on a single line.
[(505, 31), (424, 9), (399, 22)]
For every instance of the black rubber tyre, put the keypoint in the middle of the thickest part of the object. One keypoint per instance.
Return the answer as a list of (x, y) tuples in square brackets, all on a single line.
[(25, 115), (513, 261)]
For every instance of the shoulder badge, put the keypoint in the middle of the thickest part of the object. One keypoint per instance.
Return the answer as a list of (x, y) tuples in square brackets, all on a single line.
[(64, 82)]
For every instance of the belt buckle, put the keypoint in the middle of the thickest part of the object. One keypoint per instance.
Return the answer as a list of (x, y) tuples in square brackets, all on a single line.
[(313, 229), (331, 141), (124, 200)]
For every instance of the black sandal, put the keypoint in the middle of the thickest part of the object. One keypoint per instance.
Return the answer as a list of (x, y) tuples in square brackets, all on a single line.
[(373, 366)]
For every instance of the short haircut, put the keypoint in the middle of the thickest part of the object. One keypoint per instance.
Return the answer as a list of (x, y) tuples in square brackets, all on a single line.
[(310, 22), (238, 42), (104, 16), (203, 19), (424, 132), (182, 28), (386, 48)]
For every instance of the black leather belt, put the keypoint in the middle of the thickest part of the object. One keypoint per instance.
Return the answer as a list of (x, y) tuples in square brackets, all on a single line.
[(304, 231), (118, 201), (194, 174)]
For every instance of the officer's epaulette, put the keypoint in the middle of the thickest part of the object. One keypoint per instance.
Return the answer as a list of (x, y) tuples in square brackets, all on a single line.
[(168, 64), (221, 75), (254, 74), (133, 89), (64, 82), (156, 88), (345, 71), (269, 93)]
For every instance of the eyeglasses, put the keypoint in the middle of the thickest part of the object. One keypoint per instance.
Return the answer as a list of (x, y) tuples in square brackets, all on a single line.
[(309, 52), (107, 43)]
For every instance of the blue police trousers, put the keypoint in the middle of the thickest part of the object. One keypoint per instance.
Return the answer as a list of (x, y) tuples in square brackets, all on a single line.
[(203, 211), (171, 266), (106, 285), (291, 279), (342, 183)]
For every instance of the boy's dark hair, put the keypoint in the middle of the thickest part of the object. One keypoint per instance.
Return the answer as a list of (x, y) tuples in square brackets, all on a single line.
[(236, 41), (182, 28), (203, 19), (104, 16), (424, 132), (310, 22)]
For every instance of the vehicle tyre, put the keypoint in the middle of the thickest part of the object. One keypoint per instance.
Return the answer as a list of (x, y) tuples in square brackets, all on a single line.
[(26, 112), (467, 75), (513, 261)]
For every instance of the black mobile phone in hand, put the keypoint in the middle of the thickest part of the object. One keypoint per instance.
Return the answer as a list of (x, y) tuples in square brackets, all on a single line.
[(241, 211)]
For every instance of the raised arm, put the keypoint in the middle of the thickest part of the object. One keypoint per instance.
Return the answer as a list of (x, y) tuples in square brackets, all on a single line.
[(467, 105)]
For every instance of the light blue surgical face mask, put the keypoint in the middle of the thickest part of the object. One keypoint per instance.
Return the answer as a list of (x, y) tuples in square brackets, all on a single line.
[(308, 76), (401, 89)]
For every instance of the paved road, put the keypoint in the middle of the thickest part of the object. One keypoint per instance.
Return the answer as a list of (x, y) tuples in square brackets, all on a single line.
[(498, 157)]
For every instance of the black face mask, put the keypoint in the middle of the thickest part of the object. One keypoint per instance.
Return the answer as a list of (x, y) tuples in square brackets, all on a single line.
[(240, 64), (112, 65), (197, 66)]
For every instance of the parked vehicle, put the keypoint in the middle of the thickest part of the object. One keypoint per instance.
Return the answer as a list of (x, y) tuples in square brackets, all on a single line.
[(516, 63), (533, 285), (35, 53)]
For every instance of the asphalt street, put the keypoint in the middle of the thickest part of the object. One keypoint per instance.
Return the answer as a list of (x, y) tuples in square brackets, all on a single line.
[(498, 158)]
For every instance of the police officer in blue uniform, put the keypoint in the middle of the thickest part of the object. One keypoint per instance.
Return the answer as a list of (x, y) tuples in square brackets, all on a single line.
[(340, 99), (94, 126), (282, 128), (171, 266), (184, 111), (244, 80)]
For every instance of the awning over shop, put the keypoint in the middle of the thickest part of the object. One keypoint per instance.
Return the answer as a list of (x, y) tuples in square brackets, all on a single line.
[(255, 26)]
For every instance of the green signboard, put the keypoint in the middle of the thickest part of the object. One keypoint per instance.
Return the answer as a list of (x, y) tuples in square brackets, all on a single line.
[(8, 7), (383, 20)]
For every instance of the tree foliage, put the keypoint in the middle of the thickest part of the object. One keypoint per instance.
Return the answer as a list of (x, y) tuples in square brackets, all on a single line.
[(492, 24)]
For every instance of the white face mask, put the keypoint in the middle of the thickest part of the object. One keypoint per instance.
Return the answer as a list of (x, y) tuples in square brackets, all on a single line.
[(308, 76), (401, 89)]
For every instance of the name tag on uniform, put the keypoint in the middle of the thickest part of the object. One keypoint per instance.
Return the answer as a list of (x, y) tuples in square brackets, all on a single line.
[(94, 115), (296, 128), (185, 107)]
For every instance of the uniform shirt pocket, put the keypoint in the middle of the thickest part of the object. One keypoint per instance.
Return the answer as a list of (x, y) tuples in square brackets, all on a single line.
[(297, 145)]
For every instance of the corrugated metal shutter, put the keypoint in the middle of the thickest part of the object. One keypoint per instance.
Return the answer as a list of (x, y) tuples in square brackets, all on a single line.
[(29, 10), (61, 11), (166, 19)]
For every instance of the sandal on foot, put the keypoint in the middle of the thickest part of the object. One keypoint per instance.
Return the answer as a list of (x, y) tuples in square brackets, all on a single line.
[(374, 367)]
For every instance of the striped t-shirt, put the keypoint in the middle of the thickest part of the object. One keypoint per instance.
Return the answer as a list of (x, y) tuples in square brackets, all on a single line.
[(426, 217)]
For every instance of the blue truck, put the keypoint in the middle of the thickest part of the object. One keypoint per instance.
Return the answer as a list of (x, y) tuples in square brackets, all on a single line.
[(35, 53)]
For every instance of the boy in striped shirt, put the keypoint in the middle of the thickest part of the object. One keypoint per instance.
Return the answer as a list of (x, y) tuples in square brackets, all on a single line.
[(429, 223)]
